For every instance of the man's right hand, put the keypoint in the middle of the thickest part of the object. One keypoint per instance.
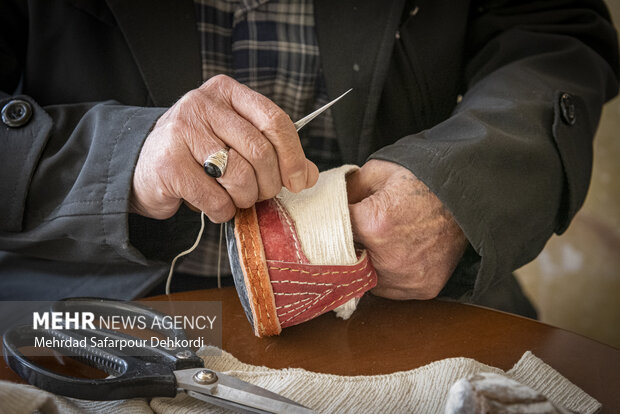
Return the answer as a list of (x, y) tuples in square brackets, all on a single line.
[(265, 153)]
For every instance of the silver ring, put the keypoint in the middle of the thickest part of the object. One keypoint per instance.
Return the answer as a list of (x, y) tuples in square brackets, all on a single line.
[(215, 164)]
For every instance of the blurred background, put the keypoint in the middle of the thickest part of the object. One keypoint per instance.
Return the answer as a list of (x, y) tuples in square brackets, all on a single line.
[(575, 281)]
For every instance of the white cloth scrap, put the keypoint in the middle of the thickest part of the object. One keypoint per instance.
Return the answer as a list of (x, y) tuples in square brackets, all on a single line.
[(422, 390)]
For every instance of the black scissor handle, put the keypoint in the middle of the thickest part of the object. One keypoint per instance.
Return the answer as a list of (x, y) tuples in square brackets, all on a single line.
[(133, 378)]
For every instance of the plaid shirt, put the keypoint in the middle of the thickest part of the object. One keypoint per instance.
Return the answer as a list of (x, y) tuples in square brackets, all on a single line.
[(270, 46)]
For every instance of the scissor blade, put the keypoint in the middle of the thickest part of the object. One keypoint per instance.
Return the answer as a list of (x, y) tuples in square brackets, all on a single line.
[(238, 395), (226, 403), (303, 121)]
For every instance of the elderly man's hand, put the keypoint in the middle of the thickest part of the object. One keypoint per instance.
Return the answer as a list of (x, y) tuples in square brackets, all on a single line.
[(412, 239), (265, 153)]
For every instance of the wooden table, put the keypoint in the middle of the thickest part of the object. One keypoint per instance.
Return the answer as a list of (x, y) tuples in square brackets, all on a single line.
[(385, 336)]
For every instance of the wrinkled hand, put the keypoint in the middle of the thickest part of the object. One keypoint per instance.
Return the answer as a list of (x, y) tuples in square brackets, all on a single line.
[(265, 153), (412, 239)]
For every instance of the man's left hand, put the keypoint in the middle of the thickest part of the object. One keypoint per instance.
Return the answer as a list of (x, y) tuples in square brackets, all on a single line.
[(412, 239)]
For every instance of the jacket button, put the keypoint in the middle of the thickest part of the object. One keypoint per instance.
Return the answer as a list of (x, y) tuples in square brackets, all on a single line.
[(16, 113), (568, 108)]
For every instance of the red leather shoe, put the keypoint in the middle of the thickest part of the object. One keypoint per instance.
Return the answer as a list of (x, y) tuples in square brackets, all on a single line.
[(278, 285)]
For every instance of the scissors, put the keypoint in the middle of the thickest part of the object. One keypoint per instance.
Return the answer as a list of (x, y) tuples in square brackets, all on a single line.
[(143, 372)]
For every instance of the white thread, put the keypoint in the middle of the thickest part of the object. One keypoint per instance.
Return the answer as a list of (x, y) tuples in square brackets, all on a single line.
[(219, 258), (191, 249)]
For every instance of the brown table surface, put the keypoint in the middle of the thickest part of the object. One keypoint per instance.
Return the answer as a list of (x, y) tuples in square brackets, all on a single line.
[(386, 336)]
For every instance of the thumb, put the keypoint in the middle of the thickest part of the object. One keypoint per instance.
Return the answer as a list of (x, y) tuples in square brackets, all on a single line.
[(358, 186), (362, 220), (356, 211), (356, 192), (362, 204)]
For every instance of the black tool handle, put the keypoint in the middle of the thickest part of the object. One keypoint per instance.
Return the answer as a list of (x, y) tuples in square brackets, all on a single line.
[(133, 378)]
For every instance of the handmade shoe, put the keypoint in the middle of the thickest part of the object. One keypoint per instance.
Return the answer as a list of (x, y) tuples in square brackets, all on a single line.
[(293, 256)]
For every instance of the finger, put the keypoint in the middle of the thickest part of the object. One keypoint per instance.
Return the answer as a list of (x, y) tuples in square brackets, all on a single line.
[(192, 185), (278, 128), (359, 213), (239, 181), (236, 132), (370, 221), (201, 140), (239, 178), (357, 189), (423, 288), (395, 293), (369, 179), (192, 207), (312, 174)]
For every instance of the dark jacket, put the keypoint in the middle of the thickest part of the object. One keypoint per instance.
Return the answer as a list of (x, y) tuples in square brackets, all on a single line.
[(512, 160)]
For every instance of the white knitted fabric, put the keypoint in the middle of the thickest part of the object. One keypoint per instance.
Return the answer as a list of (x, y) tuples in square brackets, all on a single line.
[(321, 216), (423, 390)]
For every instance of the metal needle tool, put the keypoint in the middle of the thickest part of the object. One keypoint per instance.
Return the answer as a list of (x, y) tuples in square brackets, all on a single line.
[(303, 121)]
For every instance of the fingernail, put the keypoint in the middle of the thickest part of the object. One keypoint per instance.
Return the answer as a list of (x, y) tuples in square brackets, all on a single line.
[(298, 181)]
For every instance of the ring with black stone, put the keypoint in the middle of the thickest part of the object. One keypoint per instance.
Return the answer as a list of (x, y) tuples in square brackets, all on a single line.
[(215, 164)]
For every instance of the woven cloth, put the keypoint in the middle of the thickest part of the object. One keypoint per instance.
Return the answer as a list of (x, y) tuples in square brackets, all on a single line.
[(422, 390)]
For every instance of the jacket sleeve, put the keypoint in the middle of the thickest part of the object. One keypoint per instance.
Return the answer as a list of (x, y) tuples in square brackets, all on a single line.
[(513, 161), (66, 172)]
